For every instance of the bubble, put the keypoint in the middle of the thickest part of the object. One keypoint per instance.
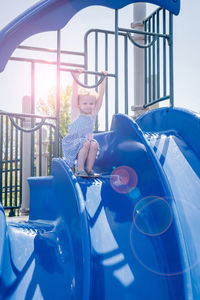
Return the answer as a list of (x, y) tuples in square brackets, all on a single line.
[(123, 179), (152, 215)]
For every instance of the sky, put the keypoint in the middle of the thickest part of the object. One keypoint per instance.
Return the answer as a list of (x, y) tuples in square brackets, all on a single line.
[(15, 83)]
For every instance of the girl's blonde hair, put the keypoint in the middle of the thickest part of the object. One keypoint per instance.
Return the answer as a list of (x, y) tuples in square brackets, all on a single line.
[(89, 92)]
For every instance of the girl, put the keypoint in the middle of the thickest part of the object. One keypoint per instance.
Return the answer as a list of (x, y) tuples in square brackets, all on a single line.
[(79, 143)]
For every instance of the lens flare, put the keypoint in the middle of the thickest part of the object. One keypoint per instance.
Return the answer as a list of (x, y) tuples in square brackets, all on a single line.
[(157, 244), (123, 179), (152, 215)]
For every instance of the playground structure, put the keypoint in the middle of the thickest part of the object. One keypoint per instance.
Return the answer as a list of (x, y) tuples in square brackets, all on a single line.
[(154, 45), (132, 233)]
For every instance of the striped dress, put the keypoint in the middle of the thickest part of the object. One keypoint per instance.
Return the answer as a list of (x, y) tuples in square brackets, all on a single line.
[(79, 132)]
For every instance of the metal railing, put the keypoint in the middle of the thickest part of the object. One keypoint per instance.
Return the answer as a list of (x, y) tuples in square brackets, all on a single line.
[(159, 58), (14, 147)]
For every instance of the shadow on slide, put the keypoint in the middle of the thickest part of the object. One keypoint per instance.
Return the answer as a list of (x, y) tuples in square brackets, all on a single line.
[(125, 235)]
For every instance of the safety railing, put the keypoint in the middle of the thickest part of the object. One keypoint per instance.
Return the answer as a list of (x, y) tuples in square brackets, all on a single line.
[(158, 61), (22, 137), (159, 58)]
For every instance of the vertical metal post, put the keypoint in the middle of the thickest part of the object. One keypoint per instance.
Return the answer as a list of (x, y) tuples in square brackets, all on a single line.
[(16, 163), (158, 56), (145, 67), (1, 157), (164, 56), (6, 165), (116, 61), (126, 74), (149, 62), (96, 69), (154, 62), (21, 167), (139, 14), (11, 164), (26, 157), (106, 91), (86, 57), (32, 110), (57, 97), (171, 64)]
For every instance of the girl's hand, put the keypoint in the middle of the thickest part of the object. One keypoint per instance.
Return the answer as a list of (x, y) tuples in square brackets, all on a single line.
[(105, 73), (78, 72), (89, 136)]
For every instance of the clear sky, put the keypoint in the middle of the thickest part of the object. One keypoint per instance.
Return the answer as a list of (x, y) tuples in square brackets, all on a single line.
[(14, 83)]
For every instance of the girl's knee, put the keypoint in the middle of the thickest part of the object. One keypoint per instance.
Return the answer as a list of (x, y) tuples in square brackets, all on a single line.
[(94, 145), (86, 145)]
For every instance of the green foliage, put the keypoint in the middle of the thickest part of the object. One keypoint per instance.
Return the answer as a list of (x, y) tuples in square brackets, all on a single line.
[(48, 107)]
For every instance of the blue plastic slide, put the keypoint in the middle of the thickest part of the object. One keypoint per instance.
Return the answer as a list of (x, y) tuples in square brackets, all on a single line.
[(130, 234)]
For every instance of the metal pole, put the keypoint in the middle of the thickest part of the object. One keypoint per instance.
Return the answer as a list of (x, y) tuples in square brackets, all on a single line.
[(139, 14), (171, 71), (116, 61), (26, 158), (32, 111), (57, 97)]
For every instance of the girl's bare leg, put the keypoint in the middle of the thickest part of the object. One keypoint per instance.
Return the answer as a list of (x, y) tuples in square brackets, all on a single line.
[(92, 153), (82, 155)]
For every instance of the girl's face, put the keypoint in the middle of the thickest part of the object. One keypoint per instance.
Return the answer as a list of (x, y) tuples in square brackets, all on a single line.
[(87, 104)]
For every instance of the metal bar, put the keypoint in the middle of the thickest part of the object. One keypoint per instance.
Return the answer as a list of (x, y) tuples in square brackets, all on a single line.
[(86, 58), (149, 63), (87, 72), (21, 164), (164, 57), (153, 60), (57, 95), (156, 101), (96, 69), (1, 158), (153, 13), (106, 91), (6, 165), (11, 163), (32, 120), (158, 56), (171, 64), (40, 152), (22, 116), (102, 31), (41, 61), (16, 164), (145, 68), (159, 35), (116, 61), (50, 145), (126, 75), (50, 50)]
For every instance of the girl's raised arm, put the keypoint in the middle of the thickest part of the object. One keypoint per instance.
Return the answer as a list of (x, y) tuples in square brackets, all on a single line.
[(74, 97), (100, 93)]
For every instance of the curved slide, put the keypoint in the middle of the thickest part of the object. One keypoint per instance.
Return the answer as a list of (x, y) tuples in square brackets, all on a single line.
[(125, 235)]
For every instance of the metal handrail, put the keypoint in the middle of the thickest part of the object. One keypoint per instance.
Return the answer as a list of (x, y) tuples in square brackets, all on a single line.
[(88, 86), (25, 115), (27, 129), (141, 45)]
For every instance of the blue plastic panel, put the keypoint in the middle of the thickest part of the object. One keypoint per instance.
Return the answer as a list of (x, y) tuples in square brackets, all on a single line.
[(94, 238), (173, 135), (53, 15)]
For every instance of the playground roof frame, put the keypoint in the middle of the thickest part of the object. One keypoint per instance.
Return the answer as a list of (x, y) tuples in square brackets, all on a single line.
[(50, 15)]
